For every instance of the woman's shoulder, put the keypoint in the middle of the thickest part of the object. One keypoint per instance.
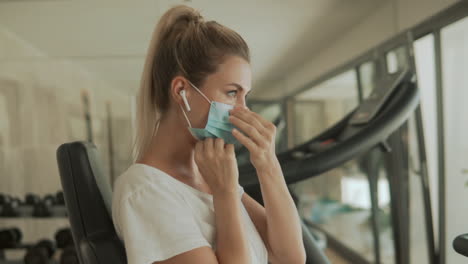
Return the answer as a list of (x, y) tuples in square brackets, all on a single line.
[(138, 178), (143, 193)]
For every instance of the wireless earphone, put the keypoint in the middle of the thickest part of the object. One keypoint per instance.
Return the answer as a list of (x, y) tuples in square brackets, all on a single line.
[(184, 97)]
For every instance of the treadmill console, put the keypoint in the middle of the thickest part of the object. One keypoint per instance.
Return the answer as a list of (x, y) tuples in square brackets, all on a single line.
[(371, 106)]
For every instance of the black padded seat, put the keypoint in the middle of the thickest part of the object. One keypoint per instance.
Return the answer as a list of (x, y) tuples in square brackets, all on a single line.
[(88, 198)]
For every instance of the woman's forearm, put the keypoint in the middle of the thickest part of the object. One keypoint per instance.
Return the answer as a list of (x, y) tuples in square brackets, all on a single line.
[(231, 238), (283, 222), (284, 232)]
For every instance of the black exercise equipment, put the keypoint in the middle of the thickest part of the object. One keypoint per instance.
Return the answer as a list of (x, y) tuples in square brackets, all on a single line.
[(10, 208), (33, 206), (40, 253), (3, 198), (59, 198), (42, 209), (17, 200), (64, 238), (88, 198), (10, 238), (50, 199), (31, 199), (460, 244), (314, 254), (69, 255), (369, 125)]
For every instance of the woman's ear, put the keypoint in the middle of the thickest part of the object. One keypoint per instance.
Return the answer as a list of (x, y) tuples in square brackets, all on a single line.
[(177, 85)]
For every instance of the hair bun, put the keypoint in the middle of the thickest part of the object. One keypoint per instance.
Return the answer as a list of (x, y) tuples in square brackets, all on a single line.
[(197, 17)]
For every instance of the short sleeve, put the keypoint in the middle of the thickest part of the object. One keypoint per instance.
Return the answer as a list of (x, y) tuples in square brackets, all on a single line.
[(241, 190), (156, 225)]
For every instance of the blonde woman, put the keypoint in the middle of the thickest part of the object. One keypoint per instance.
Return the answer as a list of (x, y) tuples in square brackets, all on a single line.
[(180, 202)]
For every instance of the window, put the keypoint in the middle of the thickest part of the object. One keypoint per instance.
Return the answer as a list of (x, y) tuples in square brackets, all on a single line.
[(367, 74), (321, 106), (454, 41), (397, 59)]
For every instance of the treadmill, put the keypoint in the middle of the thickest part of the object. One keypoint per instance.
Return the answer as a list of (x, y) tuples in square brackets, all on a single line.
[(368, 126)]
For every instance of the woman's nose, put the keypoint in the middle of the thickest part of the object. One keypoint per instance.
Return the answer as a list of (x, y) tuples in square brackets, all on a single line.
[(241, 102)]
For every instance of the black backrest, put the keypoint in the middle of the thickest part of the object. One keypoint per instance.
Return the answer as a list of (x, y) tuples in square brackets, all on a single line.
[(88, 199)]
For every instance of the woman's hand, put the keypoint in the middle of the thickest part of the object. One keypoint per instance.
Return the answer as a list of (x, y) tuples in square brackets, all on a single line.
[(217, 163), (260, 139)]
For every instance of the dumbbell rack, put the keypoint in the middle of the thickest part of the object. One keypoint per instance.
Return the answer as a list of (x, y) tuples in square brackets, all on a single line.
[(11, 261), (19, 260), (34, 228), (26, 211), (44, 251)]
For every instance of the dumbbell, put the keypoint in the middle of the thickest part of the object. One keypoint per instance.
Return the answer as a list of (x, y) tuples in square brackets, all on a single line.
[(10, 207), (69, 256), (63, 238), (42, 209), (2, 198), (51, 199), (31, 199), (59, 198), (40, 253), (18, 200), (10, 238)]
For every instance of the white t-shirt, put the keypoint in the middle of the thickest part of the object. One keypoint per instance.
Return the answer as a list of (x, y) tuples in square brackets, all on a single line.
[(157, 217)]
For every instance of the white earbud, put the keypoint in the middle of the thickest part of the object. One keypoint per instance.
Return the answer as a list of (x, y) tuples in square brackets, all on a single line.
[(182, 93)]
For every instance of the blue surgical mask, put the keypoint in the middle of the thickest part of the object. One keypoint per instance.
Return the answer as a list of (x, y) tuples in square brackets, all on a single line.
[(218, 124)]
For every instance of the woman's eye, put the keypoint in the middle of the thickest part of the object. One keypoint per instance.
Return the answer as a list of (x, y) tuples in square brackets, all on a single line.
[(233, 91)]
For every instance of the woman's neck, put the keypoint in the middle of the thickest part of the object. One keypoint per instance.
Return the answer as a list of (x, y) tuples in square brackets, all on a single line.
[(172, 149)]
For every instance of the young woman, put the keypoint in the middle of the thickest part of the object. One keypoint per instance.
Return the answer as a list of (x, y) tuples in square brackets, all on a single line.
[(180, 202)]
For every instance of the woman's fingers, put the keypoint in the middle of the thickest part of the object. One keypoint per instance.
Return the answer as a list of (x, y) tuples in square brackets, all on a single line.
[(248, 129), (262, 120), (264, 127), (219, 146), (244, 140), (230, 149), (250, 118), (208, 144)]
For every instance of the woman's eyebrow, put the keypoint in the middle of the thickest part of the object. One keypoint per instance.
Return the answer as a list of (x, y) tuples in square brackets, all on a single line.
[(238, 86)]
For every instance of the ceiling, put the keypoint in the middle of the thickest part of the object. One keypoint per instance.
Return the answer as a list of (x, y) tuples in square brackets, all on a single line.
[(110, 37)]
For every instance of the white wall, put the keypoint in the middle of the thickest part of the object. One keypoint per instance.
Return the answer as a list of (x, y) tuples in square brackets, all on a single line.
[(41, 108)]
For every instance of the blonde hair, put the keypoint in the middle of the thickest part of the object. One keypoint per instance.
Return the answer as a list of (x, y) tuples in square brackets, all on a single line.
[(182, 44)]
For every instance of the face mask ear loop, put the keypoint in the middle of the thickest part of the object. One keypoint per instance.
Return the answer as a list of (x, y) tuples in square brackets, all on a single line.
[(183, 112), (209, 101)]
